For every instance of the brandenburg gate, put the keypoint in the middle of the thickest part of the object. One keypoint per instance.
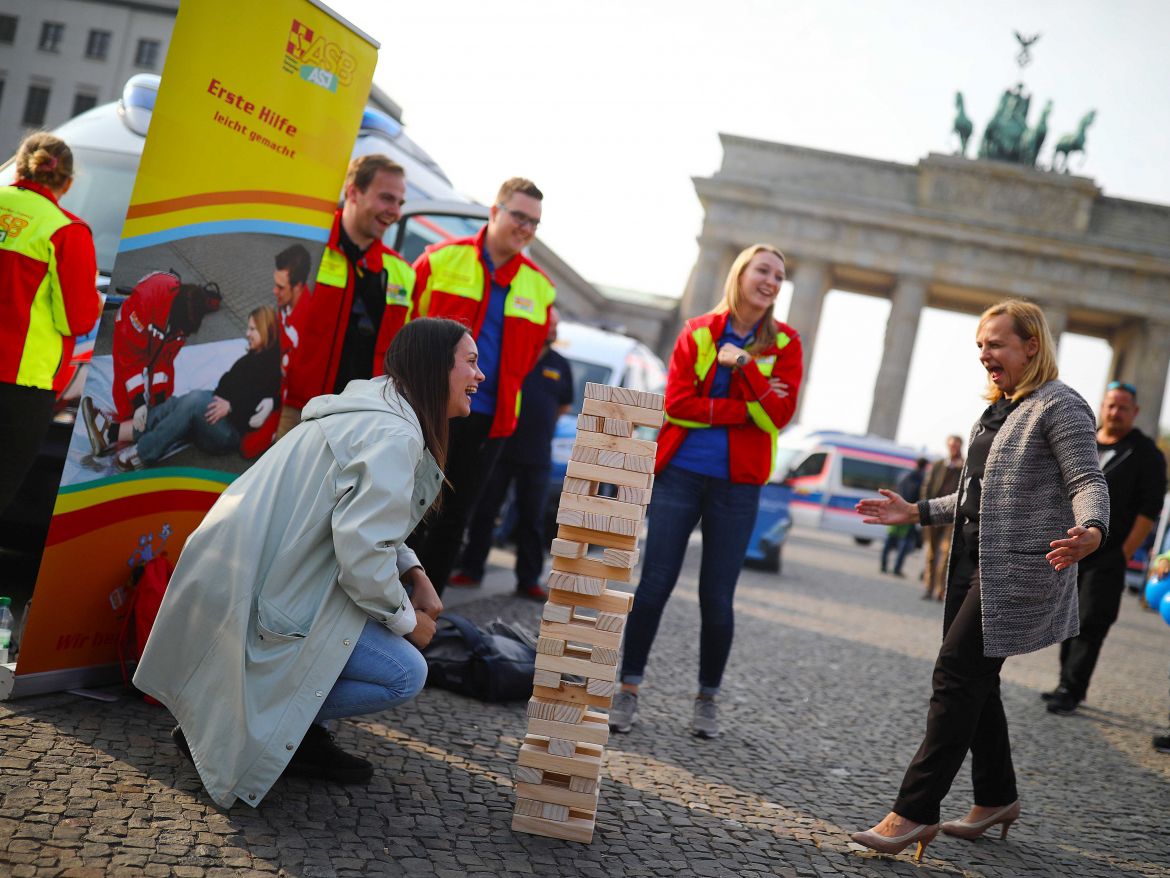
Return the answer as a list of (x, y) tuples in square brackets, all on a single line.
[(951, 233)]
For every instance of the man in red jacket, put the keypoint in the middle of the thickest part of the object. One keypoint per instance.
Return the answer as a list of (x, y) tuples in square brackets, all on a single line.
[(359, 282), (487, 283)]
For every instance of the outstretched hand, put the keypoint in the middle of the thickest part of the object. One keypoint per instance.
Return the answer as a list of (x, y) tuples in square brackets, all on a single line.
[(1081, 541), (891, 510)]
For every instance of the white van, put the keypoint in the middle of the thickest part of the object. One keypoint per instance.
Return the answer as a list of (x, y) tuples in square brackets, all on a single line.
[(829, 472)]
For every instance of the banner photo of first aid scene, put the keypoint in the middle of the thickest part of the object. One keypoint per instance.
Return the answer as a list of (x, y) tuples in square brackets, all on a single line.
[(251, 133)]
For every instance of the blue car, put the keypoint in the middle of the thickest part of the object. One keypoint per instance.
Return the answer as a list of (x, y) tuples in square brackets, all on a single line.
[(772, 525)]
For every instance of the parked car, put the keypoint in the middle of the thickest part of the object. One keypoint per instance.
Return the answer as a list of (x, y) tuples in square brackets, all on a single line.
[(826, 473)]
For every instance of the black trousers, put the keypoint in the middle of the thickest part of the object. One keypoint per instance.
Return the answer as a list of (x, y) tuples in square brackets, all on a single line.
[(1099, 592), (966, 713), (470, 458), (25, 415), (531, 491)]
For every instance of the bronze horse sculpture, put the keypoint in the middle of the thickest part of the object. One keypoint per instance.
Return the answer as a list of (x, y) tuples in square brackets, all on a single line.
[(1071, 143)]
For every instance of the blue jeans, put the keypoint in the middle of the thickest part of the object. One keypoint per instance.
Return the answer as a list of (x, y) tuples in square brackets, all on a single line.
[(903, 544), (181, 418), (383, 671), (728, 513)]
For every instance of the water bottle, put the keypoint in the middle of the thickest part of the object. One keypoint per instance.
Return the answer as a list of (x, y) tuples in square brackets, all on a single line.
[(5, 629)]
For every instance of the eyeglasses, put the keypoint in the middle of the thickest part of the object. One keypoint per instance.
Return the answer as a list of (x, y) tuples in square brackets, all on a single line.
[(521, 219), (1122, 385)]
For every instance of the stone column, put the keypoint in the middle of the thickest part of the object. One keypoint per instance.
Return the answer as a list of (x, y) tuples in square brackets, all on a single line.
[(810, 282), (907, 301), (705, 285), (1149, 376), (1057, 317)]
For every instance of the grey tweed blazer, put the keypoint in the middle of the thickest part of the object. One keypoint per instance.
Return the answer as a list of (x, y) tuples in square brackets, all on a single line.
[(1042, 477)]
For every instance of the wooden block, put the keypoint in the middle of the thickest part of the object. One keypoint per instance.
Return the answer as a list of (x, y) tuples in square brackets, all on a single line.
[(637, 463), (604, 688), (619, 557), (564, 664), (590, 423), (647, 417), (557, 711), (595, 473), (529, 807), (627, 444), (583, 632), (560, 746), (553, 811), (560, 613), (593, 731), (602, 457), (624, 395), (609, 601), (577, 827), (574, 693), (637, 496), (606, 505), (593, 390), (599, 537), (610, 622), (584, 585), (525, 774), (559, 792), (618, 427), (580, 784), (546, 679), (604, 655), (622, 526), (649, 400), (579, 486), (567, 549), (585, 453), (550, 646), (595, 521), (590, 567), (586, 762), (573, 517)]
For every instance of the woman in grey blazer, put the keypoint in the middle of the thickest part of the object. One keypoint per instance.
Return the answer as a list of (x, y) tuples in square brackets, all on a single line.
[(1031, 503)]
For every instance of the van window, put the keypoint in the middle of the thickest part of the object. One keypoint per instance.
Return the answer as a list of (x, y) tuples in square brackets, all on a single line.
[(420, 230), (810, 466), (583, 372), (869, 475)]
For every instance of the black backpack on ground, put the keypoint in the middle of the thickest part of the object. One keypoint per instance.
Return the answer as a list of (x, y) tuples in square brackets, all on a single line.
[(487, 665)]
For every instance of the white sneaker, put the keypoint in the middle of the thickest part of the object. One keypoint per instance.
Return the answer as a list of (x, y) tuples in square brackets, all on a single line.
[(624, 711), (705, 719)]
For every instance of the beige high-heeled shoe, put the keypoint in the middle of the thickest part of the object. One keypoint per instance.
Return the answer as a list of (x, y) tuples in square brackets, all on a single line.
[(1007, 815), (895, 844)]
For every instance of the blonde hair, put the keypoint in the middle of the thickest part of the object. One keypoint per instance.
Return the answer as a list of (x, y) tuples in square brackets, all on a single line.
[(766, 335), (46, 159), (266, 325), (1027, 322)]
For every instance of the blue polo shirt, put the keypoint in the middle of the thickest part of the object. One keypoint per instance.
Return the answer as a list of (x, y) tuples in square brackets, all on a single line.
[(489, 341), (546, 388), (704, 450)]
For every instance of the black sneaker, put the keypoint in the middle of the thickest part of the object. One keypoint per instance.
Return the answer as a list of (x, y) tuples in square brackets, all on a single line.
[(1048, 696), (319, 757), (1162, 742), (1063, 702)]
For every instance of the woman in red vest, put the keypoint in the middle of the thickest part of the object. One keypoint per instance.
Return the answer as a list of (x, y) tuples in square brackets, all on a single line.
[(48, 271), (732, 386)]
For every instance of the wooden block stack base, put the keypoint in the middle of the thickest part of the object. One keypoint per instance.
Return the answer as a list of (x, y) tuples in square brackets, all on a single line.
[(559, 768)]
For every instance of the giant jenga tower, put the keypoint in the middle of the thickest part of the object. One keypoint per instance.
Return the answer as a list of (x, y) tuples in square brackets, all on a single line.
[(559, 769)]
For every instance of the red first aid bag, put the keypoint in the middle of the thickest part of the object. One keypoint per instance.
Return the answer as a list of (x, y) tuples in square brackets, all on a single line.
[(145, 600)]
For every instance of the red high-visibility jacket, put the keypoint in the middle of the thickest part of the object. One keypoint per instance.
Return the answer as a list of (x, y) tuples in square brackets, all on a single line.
[(48, 291), (752, 413), (145, 345), (451, 280), (321, 316)]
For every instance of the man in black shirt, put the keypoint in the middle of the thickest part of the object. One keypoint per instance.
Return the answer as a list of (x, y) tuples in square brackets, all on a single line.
[(525, 462), (1136, 472)]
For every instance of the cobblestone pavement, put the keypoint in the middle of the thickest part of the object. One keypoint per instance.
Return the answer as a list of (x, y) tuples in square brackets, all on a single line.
[(823, 706)]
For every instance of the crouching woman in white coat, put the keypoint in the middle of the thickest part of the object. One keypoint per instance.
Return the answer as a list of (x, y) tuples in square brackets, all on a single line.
[(289, 605)]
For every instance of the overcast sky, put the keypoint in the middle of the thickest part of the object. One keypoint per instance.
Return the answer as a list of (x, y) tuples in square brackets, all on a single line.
[(612, 107)]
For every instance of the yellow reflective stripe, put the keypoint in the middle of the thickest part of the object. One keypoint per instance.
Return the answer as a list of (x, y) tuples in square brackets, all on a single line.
[(706, 352), (690, 425), (782, 340), (529, 296), (42, 345), (519, 394), (456, 270), (27, 222), (334, 269), (399, 282), (760, 419)]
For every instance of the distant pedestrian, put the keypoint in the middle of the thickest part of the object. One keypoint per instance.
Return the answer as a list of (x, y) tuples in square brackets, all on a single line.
[(942, 481), (524, 466), (1136, 472), (1032, 504), (48, 275), (732, 386), (903, 538)]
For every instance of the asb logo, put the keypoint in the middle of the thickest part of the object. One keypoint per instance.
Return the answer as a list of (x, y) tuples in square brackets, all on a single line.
[(316, 59)]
